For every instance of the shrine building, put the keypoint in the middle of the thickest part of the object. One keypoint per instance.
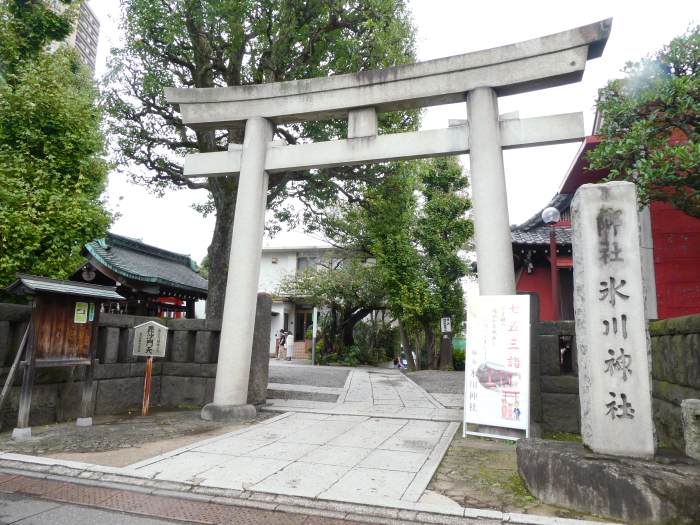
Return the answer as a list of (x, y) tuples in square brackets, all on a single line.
[(670, 242), (154, 282)]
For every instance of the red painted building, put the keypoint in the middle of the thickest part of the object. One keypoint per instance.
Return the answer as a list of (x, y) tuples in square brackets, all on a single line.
[(670, 247)]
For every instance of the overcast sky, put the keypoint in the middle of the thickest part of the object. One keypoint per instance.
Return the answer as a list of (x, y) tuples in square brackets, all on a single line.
[(445, 28)]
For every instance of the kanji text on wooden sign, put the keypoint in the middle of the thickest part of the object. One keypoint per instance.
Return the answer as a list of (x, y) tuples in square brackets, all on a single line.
[(150, 339)]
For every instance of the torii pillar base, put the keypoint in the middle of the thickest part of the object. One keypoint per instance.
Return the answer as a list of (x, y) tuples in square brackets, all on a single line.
[(212, 412)]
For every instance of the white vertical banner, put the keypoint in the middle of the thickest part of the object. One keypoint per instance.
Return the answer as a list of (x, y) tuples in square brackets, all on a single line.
[(497, 379)]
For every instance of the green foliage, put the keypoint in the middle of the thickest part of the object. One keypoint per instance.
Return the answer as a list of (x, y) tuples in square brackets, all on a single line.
[(459, 356), (52, 170), (563, 436), (204, 267), (26, 27), (377, 340), (651, 125), (415, 225), (345, 286), (220, 43)]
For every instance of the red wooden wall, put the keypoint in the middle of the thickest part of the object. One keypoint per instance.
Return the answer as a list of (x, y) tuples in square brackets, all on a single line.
[(540, 281), (676, 261)]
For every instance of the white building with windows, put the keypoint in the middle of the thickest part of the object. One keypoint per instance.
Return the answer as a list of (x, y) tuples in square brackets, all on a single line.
[(296, 317)]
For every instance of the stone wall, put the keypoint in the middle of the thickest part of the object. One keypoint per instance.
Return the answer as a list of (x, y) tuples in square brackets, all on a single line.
[(185, 376), (559, 399), (675, 360), (675, 349)]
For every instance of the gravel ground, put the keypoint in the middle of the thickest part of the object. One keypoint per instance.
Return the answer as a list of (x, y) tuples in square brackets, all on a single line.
[(307, 375), (438, 381)]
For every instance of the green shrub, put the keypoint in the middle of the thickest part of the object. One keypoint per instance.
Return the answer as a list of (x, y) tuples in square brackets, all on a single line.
[(458, 358)]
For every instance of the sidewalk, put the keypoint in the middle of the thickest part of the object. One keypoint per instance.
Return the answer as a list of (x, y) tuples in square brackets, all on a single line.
[(371, 453)]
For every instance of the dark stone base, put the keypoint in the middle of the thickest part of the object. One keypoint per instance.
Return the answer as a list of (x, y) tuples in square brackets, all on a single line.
[(665, 491), (214, 412)]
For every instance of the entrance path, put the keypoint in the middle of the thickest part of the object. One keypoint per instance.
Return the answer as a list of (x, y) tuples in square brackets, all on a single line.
[(367, 457), (382, 441), (376, 392)]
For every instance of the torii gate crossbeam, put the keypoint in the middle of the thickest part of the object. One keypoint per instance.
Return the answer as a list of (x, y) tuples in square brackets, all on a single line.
[(479, 78)]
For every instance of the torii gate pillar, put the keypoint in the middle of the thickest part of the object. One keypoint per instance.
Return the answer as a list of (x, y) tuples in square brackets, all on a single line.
[(489, 199), (479, 77), (233, 369)]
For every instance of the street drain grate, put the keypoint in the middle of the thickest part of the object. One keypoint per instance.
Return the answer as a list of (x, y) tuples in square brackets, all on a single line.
[(243, 516), (67, 492), (174, 508), (18, 483), (123, 500), (279, 518), (41, 488), (94, 497)]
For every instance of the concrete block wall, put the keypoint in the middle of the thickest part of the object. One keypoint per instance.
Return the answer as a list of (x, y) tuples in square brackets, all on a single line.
[(185, 376)]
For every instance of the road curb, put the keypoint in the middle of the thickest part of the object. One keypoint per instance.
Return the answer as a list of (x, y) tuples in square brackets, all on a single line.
[(405, 513)]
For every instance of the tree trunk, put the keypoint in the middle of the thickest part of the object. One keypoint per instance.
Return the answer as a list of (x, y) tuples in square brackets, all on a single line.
[(416, 334), (224, 192), (406, 346), (347, 326), (446, 351), (430, 348)]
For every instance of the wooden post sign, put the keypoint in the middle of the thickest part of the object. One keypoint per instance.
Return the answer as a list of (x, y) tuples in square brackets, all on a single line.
[(149, 341), (62, 333)]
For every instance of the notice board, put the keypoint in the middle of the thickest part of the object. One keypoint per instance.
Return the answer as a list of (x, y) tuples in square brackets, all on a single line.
[(497, 378)]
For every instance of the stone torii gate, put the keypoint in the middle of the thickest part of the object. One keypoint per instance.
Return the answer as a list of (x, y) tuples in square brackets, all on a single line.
[(479, 78)]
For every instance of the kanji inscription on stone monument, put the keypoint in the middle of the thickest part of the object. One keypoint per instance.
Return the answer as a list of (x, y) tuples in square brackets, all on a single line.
[(611, 331)]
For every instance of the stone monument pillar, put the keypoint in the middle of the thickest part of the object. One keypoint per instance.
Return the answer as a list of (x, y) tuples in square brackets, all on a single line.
[(614, 355)]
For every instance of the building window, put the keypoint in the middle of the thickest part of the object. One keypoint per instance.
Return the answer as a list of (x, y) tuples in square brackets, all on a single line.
[(305, 262)]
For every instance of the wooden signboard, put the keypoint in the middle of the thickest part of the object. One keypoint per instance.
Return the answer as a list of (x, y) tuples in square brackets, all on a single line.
[(62, 333)]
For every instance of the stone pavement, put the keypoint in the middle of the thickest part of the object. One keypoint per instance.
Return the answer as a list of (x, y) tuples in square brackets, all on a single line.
[(381, 442), (371, 454), (376, 392)]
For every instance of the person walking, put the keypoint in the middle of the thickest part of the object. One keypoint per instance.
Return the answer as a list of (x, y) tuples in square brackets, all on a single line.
[(289, 340), (280, 344)]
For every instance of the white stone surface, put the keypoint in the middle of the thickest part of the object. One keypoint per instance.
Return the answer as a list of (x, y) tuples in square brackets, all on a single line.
[(288, 451), (185, 465), (233, 446), (238, 322), (430, 497), (302, 479), (614, 354), (535, 64), (239, 473), (337, 455), (362, 123), (393, 460), (494, 251), (370, 148), (371, 482)]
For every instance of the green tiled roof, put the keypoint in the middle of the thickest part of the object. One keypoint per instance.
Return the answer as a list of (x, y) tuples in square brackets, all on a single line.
[(136, 260)]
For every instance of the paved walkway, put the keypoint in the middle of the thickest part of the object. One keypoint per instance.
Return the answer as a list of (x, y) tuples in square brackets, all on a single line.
[(381, 393), (380, 442), (368, 457)]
